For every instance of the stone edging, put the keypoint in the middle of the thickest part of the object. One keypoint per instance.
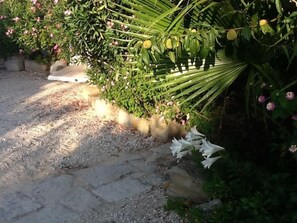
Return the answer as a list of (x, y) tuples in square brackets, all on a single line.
[(154, 126)]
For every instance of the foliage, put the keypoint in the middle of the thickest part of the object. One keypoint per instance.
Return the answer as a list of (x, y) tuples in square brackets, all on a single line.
[(37, 27), (8, 47)]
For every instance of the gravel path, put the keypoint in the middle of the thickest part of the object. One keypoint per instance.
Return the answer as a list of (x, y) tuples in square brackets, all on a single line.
[(47, 128)]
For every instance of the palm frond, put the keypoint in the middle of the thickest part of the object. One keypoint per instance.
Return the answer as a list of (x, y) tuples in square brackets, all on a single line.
[(204, 85)]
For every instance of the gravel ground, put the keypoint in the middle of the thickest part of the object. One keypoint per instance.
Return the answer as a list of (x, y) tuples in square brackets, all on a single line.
[(47, 126)]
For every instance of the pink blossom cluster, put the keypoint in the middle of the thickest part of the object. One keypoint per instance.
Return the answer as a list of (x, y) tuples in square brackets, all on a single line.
[(270, 106), (2, 17), (9, 32)]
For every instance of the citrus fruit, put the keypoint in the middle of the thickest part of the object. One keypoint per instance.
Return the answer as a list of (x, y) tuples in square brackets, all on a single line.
[(263, 22), (147, 44), (169, 44), (231, 34)]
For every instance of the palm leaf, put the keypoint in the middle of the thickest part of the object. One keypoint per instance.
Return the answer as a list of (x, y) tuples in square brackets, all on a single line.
[(204, 85)]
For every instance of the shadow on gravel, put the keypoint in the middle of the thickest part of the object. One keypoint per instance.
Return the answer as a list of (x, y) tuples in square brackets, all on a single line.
[(47, 128)]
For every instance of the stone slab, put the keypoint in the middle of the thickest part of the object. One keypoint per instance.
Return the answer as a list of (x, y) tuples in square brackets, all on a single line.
[(70, 73), (103, 174), (14, 64), (124, 188), (53, 189), (33, 66), (80, 200), (53, 213), (13, 205), (142, 166)]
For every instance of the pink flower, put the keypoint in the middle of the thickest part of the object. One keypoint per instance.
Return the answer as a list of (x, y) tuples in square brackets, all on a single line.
[(56, 2), (34, 2), (293, 148), (51, 35), (9, 32), (290, 95), (16, 19), (33, 9), (56, 47), (67, 13), (261, 99), (38, 5), (270, 106), (294, 117), (37, 19)]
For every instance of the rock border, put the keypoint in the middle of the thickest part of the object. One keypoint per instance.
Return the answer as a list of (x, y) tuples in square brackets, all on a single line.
[(154, 126)]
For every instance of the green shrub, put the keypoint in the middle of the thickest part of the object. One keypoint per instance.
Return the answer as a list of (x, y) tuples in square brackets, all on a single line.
[(38, 28)]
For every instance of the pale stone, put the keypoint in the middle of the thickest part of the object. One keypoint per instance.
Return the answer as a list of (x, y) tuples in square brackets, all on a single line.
[(79, 200), (142, 125), (104, 109), (70, 73), (158, 129), (33, 66), (14, 63), (125, 188), (53, 213), (183, 185), (105, 174), (176, 130), (16, 204), (90, 91), (124, 118), (57, 65), (53, 189)]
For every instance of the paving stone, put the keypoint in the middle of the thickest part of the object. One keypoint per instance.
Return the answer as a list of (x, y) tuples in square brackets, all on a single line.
[(54, 189), (142, 165), (53, 213), (124, 188), (153, 179), (103, 174), (16, 204), (80, 200)]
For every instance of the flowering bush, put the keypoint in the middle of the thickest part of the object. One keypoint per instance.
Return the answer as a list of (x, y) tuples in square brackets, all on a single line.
[(8, 46), (37, 27)]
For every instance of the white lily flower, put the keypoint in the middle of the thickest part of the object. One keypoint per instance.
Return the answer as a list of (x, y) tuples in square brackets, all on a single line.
[(182, 153), (185, 142), (197, 144), (209, 161), (176, 147), (196, 133), (208, 148)]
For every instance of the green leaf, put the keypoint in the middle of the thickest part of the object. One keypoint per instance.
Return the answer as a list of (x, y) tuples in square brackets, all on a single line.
[(204, 86), (246, 33), (279, 8), (145, 56)]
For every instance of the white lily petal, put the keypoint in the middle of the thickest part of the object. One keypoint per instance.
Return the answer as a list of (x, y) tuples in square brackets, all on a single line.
[(202, 148), (208, 148), (196, 133), (185, 142), (209, 161), (183, 153), (197, 144), (175, 147), (189, 137)]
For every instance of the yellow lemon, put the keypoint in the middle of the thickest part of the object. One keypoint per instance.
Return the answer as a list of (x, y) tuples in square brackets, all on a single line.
[(231, 34), (263, 22), (147, 44), (169, 44)]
